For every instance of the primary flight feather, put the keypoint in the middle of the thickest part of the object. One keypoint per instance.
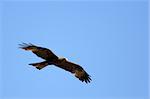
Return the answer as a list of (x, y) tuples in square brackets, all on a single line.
[(51, 59)]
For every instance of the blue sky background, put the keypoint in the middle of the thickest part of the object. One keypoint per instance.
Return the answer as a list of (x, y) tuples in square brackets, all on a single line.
[(109, 39)]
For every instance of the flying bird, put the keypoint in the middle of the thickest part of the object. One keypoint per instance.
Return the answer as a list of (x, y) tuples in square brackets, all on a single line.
[(51, 59)]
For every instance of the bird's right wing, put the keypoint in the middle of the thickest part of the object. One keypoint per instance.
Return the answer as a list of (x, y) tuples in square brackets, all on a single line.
[(79, 72)]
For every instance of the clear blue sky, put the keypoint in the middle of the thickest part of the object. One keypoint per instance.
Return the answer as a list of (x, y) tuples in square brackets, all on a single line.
[(109, 39)]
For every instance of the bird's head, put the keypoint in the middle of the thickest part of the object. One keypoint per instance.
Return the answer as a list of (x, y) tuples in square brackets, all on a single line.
[(62, 59), (28, 47)]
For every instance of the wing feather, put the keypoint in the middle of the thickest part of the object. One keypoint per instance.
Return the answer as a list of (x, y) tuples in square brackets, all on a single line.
[(76, 69), (41, 52)]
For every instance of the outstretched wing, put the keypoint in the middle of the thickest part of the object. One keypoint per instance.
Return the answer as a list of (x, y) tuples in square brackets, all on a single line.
[(39, 51), (79, 72)]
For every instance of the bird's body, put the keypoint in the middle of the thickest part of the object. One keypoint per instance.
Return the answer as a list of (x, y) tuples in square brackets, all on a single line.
[(51, 59)]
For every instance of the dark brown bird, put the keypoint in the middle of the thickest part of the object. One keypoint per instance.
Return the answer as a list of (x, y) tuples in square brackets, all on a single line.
[(51, 59)]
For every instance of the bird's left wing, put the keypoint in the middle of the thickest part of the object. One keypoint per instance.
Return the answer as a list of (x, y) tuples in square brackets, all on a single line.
[(41, 52)]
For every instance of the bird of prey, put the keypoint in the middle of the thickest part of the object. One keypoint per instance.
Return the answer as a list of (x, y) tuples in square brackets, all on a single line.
[(51, 59)]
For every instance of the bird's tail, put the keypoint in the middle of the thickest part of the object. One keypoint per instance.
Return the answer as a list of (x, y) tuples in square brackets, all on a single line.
[(40, 65)]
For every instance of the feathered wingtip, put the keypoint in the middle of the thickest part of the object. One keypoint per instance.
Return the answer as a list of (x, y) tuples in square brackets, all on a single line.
[(86, 78), (26, 46)]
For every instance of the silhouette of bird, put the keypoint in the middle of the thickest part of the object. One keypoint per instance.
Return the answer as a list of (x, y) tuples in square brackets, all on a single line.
[(51, 59)]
